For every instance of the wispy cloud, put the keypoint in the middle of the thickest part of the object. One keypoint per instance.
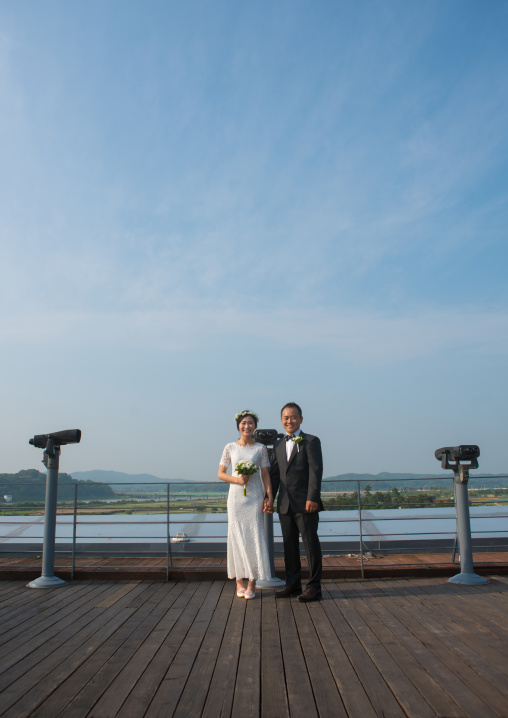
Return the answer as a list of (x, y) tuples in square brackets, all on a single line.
[(323, 178), (359, 337)]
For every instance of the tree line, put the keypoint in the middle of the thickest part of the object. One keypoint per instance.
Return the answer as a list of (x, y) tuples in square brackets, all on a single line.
[(30, 485), (379, 499)]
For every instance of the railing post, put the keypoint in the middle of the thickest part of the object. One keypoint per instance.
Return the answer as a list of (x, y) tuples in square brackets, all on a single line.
[(74, 523), (169, 557), (467, 576), (454, 551), (361, 528)]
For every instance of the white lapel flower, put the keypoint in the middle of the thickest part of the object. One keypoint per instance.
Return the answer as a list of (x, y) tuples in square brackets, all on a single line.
[(298, 440)]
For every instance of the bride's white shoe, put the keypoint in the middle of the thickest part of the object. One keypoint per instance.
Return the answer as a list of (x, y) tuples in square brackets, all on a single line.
[(240, 592), (249, 594)]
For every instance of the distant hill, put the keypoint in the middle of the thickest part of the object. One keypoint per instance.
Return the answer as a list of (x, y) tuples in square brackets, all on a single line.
[(118, 477), (30, 485), (344, 482)]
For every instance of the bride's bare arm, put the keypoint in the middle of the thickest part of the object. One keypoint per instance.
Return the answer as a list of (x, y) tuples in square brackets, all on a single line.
[(268, 502), (224, 476)]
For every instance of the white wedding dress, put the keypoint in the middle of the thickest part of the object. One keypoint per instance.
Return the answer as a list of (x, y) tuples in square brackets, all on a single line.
[(247, 550)]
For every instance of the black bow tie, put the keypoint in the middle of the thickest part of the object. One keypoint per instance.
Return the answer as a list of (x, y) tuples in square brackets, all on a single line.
[(289, 437)]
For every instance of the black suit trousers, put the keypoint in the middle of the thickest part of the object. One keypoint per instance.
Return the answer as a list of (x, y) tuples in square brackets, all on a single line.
[(293, 525)]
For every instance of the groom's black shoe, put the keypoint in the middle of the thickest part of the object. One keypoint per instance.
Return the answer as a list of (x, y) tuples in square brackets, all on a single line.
[(311, 593), (288, 591)]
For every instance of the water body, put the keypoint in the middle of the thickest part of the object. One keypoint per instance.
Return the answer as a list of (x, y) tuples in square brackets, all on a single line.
[(340, 527)]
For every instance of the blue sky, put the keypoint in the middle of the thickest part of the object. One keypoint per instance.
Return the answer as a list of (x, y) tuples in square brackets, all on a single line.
[(206, 207)]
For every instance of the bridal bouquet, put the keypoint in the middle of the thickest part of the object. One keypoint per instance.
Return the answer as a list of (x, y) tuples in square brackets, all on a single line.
[(246, 468)]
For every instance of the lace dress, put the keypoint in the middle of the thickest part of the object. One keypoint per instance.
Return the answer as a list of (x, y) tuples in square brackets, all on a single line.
[(247, 551)]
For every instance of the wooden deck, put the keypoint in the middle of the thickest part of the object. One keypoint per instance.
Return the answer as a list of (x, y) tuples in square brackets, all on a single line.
[(416, 647), (185, 568)]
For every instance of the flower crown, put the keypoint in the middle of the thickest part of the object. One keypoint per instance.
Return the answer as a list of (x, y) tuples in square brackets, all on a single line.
[(247, 412)]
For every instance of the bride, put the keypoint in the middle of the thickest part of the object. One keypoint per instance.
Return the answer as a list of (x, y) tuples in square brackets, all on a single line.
[(247, 550)]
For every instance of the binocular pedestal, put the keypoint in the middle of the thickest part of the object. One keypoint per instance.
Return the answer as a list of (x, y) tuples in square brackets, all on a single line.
[(467, 576), (48, 579), (272, 582)]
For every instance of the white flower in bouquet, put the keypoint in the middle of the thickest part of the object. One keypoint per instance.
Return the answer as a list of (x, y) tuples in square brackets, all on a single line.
[(246, 468)]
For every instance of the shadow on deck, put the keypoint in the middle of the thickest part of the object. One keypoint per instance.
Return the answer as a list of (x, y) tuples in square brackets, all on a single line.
[(199, 568), (416, 647)]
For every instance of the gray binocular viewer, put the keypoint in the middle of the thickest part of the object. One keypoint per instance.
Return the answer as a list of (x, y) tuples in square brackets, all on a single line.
[(60, 438), (452, 456), (268, 437)]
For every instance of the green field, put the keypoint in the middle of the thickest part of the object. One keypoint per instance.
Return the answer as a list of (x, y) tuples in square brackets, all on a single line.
[(196, 504)]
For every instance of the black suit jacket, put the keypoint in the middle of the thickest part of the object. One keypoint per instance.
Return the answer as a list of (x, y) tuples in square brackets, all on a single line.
[(299, 479)]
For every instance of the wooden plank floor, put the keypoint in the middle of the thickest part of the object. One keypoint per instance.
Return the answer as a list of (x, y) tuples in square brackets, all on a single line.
[(188, 567), (417, 647)]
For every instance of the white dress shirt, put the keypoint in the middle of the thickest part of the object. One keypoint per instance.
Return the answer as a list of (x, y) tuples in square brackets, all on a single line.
[(290, 444)]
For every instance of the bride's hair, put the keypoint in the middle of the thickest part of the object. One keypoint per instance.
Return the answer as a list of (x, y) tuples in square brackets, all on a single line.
[(243, 415)]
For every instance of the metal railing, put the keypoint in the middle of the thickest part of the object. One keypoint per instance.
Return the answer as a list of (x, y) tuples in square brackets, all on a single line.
[(366, 536)]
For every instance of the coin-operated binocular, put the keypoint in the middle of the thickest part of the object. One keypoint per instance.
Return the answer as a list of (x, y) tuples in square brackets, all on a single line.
[(460, 459), (51, 444), (268, 437), (59, 438)]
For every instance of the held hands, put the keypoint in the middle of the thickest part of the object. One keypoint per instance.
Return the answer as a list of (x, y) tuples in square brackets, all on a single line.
[(268, 506), (311, 507)]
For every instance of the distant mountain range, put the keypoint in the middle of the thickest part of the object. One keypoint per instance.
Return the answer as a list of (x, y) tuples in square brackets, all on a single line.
[(118, 477), (386, 480), (345, 482)]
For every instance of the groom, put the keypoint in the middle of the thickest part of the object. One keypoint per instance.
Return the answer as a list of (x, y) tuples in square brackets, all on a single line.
[(298, 466)]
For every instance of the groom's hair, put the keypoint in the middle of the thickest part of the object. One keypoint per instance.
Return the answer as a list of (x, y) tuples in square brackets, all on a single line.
[(291, 405)]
